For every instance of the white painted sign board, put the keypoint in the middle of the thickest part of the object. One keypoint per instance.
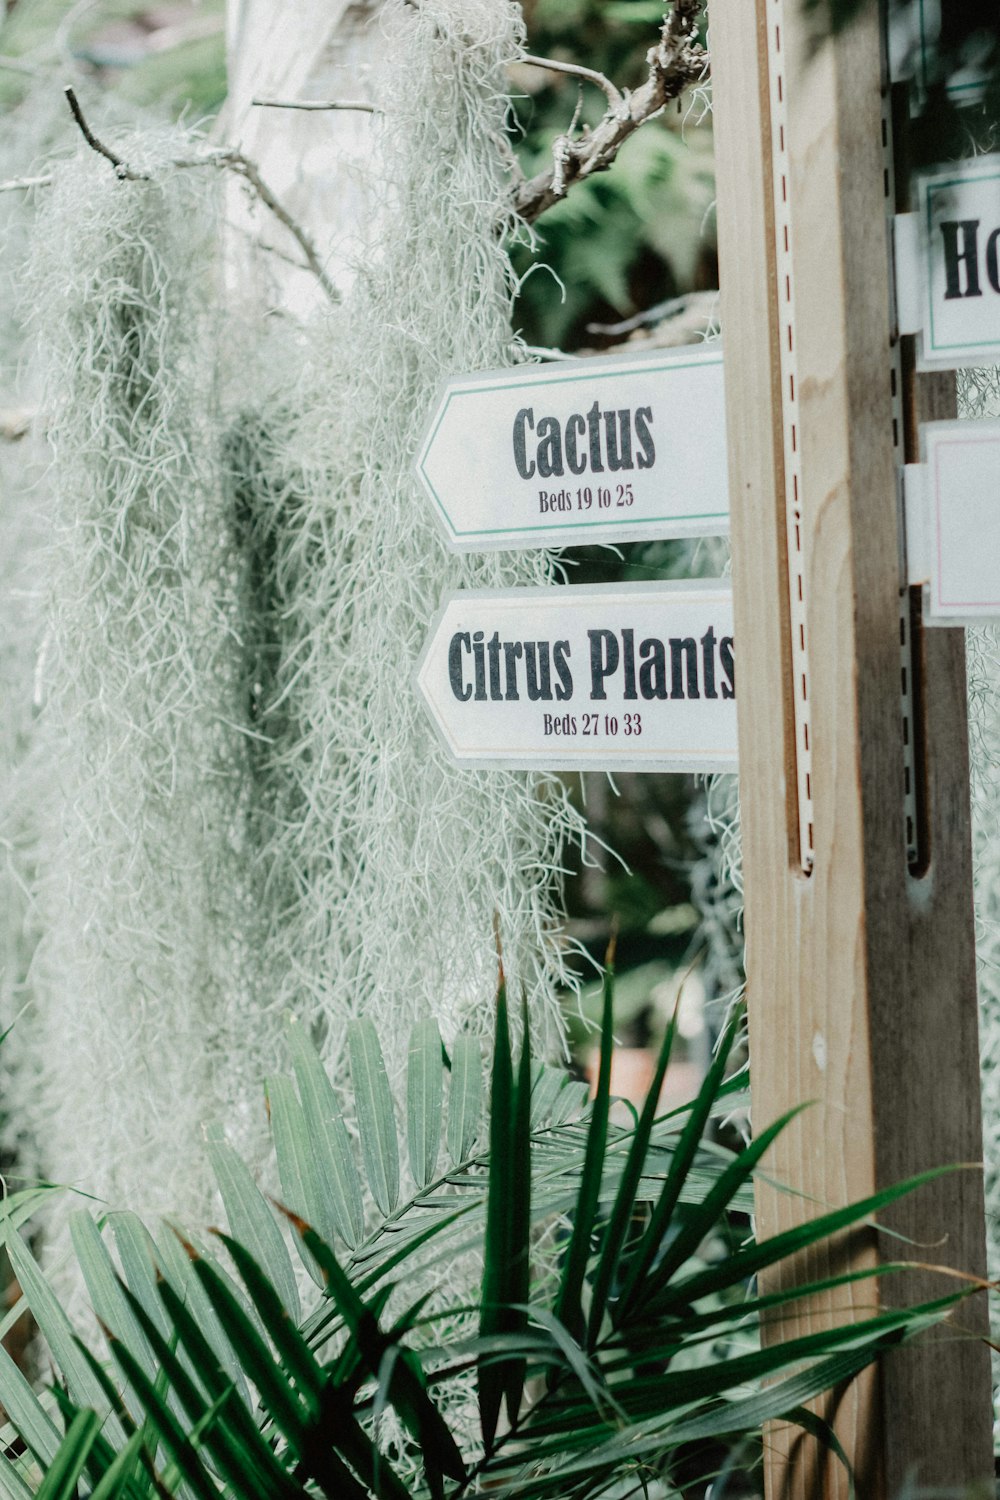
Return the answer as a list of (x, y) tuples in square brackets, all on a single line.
[(594, 677), (953, 520), (914, 32), (586, 450), (948, 265)]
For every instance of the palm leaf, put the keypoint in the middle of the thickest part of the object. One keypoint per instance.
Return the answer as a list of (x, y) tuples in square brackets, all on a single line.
[(569, 1303), (338, 1207), (763, 1253), (295, 1153), (220, 1420), (649, 1246), (702, 1219), (116, 1479), (252, 1220), (137, 1254), (106, 1296), (424, 1095), (58, 1333), (178, 1272), (497, 1239), (12, 1486), (64, 1472), (465, 1098), (233, 1462), (27, 1413), (628, 1188), (407, 1389), (516, 1288), (376, 1120)]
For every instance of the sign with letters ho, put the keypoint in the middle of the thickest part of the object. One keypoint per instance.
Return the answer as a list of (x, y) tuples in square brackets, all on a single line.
[(608, 677), (585, 450), (948, 265)]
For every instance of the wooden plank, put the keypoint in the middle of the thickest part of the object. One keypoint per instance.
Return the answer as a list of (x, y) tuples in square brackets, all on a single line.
[(861, 972)]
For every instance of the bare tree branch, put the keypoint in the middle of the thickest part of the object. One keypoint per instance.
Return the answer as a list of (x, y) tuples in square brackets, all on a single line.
[(247, 169), (121, 168), (356, 104), (677, 61), (22, 184), (231, 159), (614, 97)]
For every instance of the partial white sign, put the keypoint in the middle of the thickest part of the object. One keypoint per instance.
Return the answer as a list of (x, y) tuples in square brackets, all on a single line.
[(624, 677), (948, 265), (914, 32), (585, 450), (953, 520)]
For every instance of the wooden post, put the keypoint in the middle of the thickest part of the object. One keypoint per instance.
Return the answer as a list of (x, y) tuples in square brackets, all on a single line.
[(860, 955)]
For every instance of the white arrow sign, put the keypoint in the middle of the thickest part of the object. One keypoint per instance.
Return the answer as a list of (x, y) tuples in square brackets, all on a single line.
[(627, 677), (953, 520), (948, 265), (587, 450)]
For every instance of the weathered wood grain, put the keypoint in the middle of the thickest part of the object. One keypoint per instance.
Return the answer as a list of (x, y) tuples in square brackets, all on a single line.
[(861, 974)]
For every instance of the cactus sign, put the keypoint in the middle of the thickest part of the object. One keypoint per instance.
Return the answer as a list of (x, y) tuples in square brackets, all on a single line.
[(581, 450)]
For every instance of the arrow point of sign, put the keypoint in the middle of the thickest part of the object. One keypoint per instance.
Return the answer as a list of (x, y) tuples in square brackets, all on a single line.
[(423, 473)]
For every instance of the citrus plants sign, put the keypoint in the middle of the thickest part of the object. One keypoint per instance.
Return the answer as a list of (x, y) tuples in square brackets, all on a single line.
[(627, 677)]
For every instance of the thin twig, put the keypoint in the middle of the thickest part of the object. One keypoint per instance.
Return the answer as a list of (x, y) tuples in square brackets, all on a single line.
[(248, 170), (355, 104), (615, 98), (22, 184), (671, 308), (677, 61), (121, 168), (235, 161), (232, 159)]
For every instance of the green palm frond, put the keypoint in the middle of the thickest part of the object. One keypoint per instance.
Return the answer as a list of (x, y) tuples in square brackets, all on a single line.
[(616, 1330)]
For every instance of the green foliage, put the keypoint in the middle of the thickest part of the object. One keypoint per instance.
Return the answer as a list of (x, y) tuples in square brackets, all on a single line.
[(628, 238), (601, 1362), (176, 61), (968, 42), (621, 241)]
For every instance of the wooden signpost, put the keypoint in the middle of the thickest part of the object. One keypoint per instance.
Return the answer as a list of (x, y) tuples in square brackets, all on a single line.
[(852, 736), (860, 942)]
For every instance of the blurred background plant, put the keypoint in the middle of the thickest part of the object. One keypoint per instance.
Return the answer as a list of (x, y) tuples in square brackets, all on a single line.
[(628, 256)]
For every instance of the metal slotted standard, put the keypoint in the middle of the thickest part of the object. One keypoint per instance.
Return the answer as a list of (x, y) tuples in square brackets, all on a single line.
[(860, 938)]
